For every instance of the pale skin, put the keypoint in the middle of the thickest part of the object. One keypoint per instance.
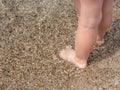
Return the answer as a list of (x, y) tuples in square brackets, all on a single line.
[(94, 19)]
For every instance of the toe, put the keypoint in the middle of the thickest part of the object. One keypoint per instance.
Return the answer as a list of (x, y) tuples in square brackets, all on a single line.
[(62, 54)]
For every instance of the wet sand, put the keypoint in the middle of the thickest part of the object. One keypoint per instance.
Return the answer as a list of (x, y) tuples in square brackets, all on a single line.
[(32, 32)]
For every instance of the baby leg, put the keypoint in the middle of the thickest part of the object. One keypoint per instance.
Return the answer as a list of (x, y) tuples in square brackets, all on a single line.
[(88, 22), (86, 34), (106, 20)]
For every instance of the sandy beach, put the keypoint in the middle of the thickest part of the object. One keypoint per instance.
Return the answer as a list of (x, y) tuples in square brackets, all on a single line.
[(32, 32)]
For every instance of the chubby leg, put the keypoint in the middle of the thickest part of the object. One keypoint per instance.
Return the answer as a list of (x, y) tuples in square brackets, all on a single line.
[(88, 22), (86, 34), (106, 20)]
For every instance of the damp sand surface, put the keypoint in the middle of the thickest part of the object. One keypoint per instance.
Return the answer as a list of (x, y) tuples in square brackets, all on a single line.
[(32, 32)]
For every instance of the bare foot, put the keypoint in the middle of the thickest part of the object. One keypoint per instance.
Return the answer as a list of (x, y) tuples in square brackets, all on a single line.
[(68, 54)]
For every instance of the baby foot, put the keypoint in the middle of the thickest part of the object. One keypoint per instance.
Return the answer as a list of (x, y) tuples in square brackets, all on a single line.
[(69, 55)]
